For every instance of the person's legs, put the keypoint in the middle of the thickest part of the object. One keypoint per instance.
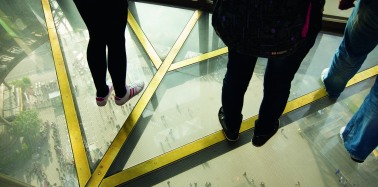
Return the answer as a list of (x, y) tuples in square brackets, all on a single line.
[(116, 14), (277, 83), (361, 133), (96, 49), (235, 83), (360, 38), (96, 57)]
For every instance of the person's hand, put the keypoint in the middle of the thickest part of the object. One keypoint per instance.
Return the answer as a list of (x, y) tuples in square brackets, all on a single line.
[(346, 4)]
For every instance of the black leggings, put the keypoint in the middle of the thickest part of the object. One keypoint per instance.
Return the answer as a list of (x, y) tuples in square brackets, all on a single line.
[(106, 23)]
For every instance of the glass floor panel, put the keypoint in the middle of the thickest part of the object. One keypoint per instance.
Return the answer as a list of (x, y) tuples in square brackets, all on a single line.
[(304, 152), (34, 143), (171, 22), (202, 39), (173, 121), (286, 160), (322, 130), (178, 120), (101, 124)]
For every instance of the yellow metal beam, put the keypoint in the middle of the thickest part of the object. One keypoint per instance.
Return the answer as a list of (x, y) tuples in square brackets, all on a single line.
[(375, 152), (170, 157), (315, 95), (199, 58), (78, 149), (144, 41)]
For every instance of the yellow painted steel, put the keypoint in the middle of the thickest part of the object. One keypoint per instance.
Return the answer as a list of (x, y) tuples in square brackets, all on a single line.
[(375, 152), (144, 41), (180, 41), (363, 75), (162, 160), (78, 149), (199, 58), (305, 100), (170, 157), (315, 95), (131, 121)]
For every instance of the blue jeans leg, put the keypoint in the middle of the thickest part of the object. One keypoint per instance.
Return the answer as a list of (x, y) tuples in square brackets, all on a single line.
[(361, 133), (360, 38)]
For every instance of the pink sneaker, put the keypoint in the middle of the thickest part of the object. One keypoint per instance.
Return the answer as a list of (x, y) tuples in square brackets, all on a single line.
[(101, 101), (132, 90)]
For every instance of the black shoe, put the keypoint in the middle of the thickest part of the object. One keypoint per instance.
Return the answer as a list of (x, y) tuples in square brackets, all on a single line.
[(356, 160), (342, 140), (260, 138), (230, 136)]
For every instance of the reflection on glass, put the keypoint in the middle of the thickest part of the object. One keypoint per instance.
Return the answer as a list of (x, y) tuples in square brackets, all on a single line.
[(321, 129), (34, 144), (202, 39), (162, 25)]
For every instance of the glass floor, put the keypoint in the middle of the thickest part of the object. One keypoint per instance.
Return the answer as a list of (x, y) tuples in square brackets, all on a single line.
[(52, 133)]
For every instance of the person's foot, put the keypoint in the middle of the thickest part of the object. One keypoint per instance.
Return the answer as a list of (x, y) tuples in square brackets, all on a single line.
[(230, 136), (101, 101), (131, 91), (322, 77), (323, 74), (342, 139), (260, 138), (341, 133)]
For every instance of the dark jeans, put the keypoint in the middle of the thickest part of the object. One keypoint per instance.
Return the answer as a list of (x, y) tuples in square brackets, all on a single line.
[(277, 82), (106, 23)]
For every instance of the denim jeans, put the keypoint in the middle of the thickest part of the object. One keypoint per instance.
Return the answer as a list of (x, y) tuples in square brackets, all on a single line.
[(361, 132), (277, 83), (360, 38)]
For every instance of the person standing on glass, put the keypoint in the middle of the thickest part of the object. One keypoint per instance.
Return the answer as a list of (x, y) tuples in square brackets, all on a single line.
[(106, 50), (280, 69), (360, 135)]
